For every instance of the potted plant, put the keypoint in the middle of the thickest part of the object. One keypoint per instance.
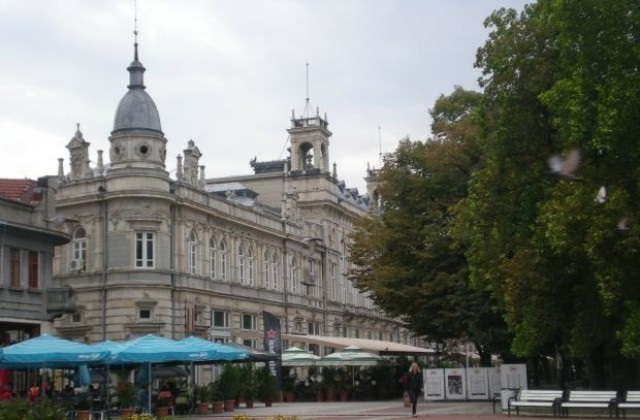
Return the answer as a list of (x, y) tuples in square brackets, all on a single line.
[(266, 386), (126, 393), (344, 389), (217, 398), (329, 381), (162, 407), (203, 396), (230, 384), (288, 385), (83, 407), (248, 384)]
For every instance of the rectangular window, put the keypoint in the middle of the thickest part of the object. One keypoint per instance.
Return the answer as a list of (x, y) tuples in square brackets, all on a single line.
[(313, 328), (76, 317), (250, 343), (314, 349), (249, 322), (33, 270), (144, 249), (220, 319), (145, 313), (14, 267)]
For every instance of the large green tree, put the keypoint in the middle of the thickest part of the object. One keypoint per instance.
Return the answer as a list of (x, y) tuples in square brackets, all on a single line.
[(562, 75), (407, 259)]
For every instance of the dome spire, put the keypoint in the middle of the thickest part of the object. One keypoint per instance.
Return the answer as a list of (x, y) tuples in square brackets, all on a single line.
[(135, 30), (136, 69)]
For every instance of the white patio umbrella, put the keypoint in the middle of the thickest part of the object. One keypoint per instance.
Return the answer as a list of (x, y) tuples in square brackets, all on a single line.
[(351, 356), (294, 356)]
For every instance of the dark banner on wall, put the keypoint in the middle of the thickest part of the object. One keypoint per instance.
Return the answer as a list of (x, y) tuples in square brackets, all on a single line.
[(273, 343)]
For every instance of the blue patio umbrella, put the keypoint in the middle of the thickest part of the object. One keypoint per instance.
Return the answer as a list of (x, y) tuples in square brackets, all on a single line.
[(154, 349), (105, 345), (84, 378), (255, 355), (226, 353), (49, 351)]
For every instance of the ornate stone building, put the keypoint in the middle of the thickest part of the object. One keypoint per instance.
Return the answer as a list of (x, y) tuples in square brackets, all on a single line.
[(206, 257)]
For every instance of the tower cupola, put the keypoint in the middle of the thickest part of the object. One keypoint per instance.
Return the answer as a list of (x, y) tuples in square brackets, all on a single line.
[(138, 145), (137, 113)]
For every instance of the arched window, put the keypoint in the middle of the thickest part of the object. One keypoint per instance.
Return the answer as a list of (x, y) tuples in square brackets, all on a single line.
[(79, 250), (241, 264), (267, 272), (275, 277), (192, 252), (212, 258), (251, 267), (223, 260), (295, 280), (345, 293)]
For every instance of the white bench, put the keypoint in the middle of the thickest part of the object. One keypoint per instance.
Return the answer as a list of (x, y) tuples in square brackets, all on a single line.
[(631, 400), (590, 399), (535, 398)]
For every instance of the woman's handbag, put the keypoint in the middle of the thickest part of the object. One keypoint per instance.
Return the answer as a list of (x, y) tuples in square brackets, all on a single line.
[(406, 399)]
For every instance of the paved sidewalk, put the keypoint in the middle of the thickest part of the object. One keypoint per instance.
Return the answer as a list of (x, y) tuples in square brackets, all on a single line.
[(376, 410), (362, 410)]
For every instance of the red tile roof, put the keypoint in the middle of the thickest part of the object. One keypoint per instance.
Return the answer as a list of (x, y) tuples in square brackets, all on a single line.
[(17, 189)]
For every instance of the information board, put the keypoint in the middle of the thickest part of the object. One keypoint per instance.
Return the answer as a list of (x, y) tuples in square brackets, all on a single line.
[(478, 383), (433, 384), (455, 384)]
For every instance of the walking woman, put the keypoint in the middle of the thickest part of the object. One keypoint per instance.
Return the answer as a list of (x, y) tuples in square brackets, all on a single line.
[(414, 386)]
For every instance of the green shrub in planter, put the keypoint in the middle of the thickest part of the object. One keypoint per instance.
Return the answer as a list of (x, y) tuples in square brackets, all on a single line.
[(230, 382), (41, 409), (266, 385)]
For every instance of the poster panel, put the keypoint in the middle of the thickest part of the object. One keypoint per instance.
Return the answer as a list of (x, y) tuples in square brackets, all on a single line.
[(513, 376), (494, 380), (433, 380), (455, 384), (478, 383)]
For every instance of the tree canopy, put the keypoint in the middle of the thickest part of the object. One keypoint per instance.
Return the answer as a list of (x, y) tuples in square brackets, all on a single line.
[(475, 220), (408, 260), (563, 75)]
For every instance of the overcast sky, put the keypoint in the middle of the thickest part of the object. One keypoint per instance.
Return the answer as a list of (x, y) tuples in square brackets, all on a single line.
[(228, 73)]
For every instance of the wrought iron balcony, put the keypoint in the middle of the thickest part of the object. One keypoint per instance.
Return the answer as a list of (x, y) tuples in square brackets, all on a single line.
[(60, 301)]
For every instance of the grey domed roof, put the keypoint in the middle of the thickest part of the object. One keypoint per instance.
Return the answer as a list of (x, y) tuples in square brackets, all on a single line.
[(137, 112)]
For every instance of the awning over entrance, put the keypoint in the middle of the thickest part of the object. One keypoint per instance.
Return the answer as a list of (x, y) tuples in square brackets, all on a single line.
[(377, 346)]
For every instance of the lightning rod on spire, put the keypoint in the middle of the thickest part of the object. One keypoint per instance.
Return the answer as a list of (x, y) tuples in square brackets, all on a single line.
[(135, 29), (307, 105)]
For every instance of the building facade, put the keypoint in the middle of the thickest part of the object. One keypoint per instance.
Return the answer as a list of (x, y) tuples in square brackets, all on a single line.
[(29, 299), (195, 256)]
